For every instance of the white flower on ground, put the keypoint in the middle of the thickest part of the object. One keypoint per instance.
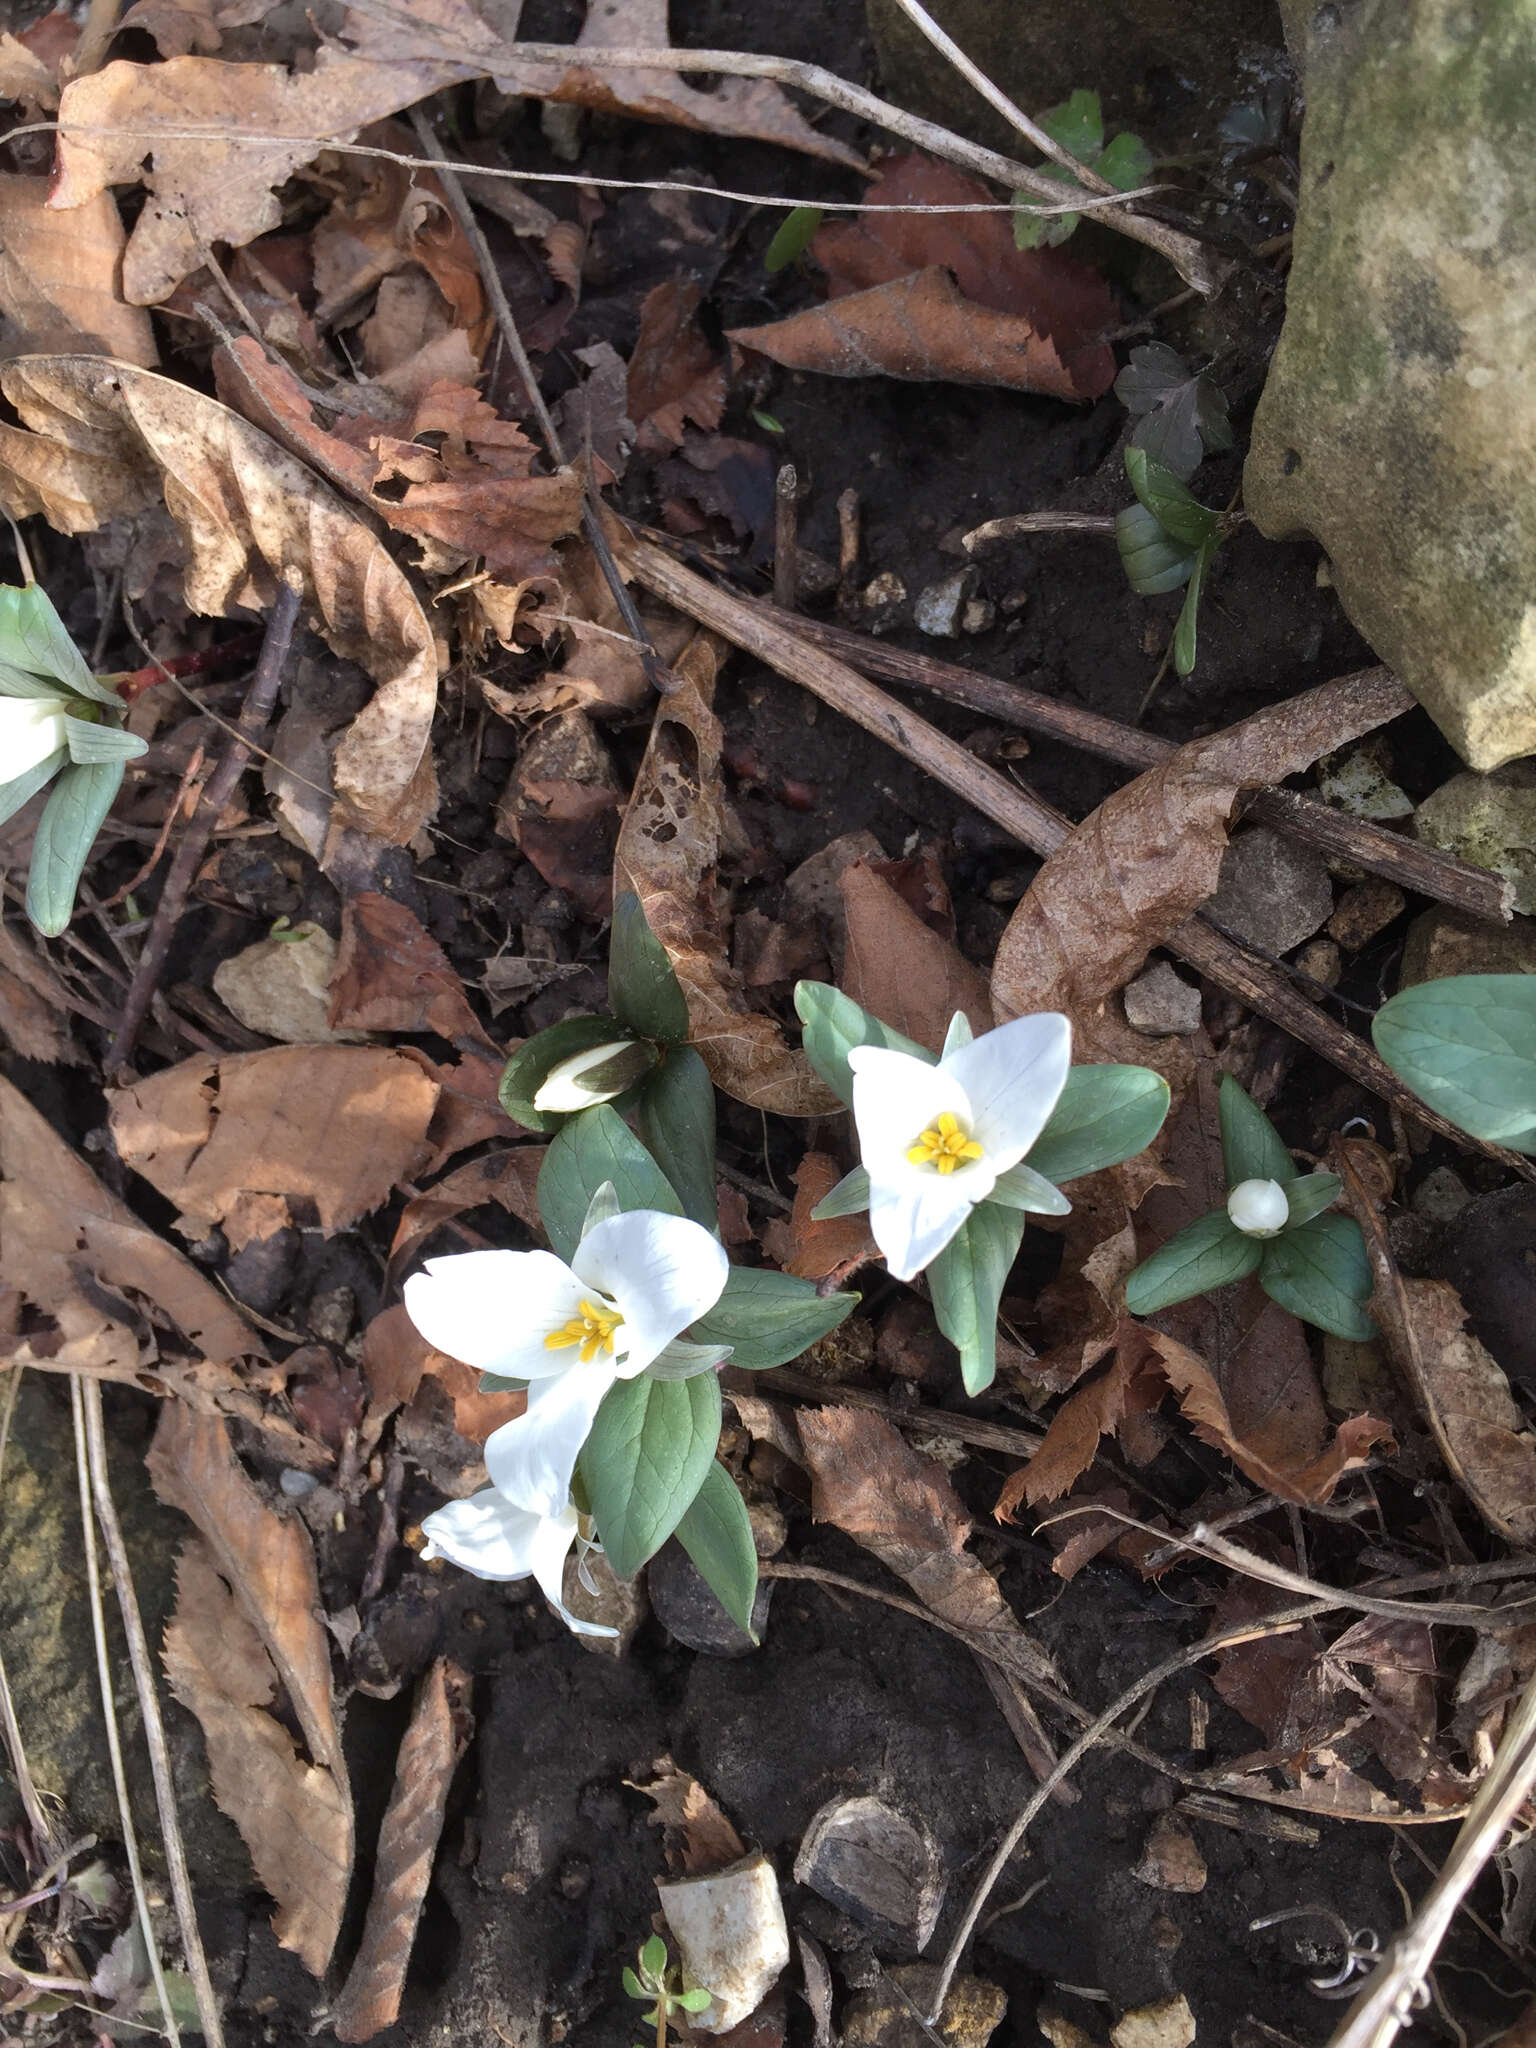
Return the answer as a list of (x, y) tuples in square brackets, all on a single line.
[(490, 1537), (935, 1140), (32, 731), (636, 1282), (596, 1075), (1259, 1208)]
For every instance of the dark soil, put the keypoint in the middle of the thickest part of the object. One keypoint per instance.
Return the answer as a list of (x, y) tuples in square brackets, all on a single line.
[(544, 1885)]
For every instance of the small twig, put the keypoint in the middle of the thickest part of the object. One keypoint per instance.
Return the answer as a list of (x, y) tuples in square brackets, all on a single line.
[(591, 512), (929, 1422), (1017, 523), (109, 1715), (218, 789), (149, 1706), (850, 541), (389, 1529), (189, 776), (786, 538)]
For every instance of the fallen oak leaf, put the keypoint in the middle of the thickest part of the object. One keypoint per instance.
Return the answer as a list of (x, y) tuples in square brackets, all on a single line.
[(668, 850), (1131, 1384), (107, 437), (59, 277)]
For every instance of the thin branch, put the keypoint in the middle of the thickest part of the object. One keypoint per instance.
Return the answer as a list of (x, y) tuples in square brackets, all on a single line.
[(1014, 524), (149, 1705)]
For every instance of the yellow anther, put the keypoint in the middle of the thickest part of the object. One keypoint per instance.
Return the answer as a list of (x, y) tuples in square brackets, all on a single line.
[(944, 1145), (592, 1329)]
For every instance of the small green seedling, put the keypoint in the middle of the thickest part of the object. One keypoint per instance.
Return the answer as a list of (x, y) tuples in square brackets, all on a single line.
[(1181, 416), (793, 237), (663, 1984), (1276, 1224), (59, 724), (1168, 539), (1467, 1045), (1078, 126)]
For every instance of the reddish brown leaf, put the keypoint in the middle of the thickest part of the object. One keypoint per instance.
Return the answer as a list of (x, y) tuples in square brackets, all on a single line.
[(700, 1838), (819, 1251), (674, 374), (899, 966), (1150, 855), (468, 1111), (562, 806), (442, 1722), (396, 1361), (508, 1178), (392, 975), (1130, 1384)]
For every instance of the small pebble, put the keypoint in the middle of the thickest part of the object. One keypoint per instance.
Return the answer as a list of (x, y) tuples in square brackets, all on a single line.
[(1168, 2024), (1159, 1003), (1274, 893), (1322, 961), (1363, 911), (296, 1484), (941, 605), (979, 615), (1171, 1860), (1441, 1196)]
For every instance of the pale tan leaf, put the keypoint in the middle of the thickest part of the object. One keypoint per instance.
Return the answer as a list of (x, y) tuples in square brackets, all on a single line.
[(335, 1125), (903, 968), (106, 438), (59, 276), (295, 1817), (1150, 855), (669, 845), (1487, 1433), (222, 186)]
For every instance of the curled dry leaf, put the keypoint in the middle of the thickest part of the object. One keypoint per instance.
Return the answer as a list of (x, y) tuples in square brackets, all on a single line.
[(1150, 855), (249, 1614), (668, 851), (107, 437), (674, 374), (509, 1178), (59, 277), (904, 967), (222, 186), (442, 1721), (235, 1141), (700, 1836), (1130, 1384), (392, 975)]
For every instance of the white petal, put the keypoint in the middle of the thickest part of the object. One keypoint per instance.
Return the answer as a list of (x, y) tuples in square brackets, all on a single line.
[(912, 1224), (895, 1099), (31, 728), (486, 1535), (661, 1270), (531, 1460), (493, 1310), (1012, 1077), (551, 1546)]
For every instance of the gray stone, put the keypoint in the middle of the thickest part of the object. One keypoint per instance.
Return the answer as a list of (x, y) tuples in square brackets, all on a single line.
[(1489, 820), (1159, 1002), (1399, 417), (1440, 943), (873, 1863), (1358, 780), (690, 1613), (1274, 893), (1363, 911), (939, 607), (1440, 1196)]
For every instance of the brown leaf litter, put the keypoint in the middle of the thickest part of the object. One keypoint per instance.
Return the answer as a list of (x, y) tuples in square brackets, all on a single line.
[(247, 1638), (59, 277)]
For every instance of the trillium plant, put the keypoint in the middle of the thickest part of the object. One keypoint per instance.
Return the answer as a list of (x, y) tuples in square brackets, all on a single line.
[(1277, 1223), (1467, 1045), (59, 725)]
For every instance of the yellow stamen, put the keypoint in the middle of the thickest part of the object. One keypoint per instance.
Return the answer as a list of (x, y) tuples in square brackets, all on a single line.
[(592, 1329), (944, 1145)]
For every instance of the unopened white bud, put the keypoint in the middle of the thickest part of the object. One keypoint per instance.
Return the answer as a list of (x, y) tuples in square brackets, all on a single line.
[(597, 1075), (1259, 1208)]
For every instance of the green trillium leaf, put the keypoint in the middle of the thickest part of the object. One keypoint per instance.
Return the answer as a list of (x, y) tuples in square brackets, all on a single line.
[(1251, 1147), (1309, 1195), (1466, 1044), (92, 744), (834, 1024), (1153, 561), (1211, 1252), (848, 1198), (1103, 1115), (1024, 1189), (716, 1532), (650, 1450), (677, 1122), (22, 788), (1170, 501), (1320, 1271), (768, 1318), (793, 238), (966, 1282), (66, 832), (592, 1148), (646, 995), (528, 1069)]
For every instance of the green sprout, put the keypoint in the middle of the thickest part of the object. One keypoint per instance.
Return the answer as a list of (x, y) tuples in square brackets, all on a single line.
[(1276, 1223), (793, 237), (663, 1984), (1168, 539), (1466, 1044), (1078, 126)]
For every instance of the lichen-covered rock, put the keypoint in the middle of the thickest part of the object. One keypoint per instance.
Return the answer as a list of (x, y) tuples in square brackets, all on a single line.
[(1489, 820), (1398, 424)]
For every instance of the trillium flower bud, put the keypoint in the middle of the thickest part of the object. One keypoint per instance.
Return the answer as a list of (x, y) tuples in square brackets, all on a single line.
[(596, 1075), (1259, 1208)]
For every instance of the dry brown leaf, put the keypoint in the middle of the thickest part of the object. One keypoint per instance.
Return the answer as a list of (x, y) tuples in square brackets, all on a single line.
[(257, 1588), (442, 1721), (384, 217), (222, 188), (509, 1178), (1150, 855), (59, 277), (80, 1257), (819, 1251), (106, 437), (700, 1837), (34, 1004), (392, 975), (561, 807), (397, 1359), (294, 1817), (335, 1125), (468, 1109), (1130, 1385), (668, 850), (905, 968), (674, 374)]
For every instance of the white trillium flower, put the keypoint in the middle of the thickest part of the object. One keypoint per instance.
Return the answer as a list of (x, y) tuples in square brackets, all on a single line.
[(638, 1279), (32, 731), (1259, 1208), (936, 1140), (489, 1536), (596, 1075)]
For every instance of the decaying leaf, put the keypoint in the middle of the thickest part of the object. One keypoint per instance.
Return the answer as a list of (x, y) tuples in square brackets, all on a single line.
[(669, 847), (1129, 1384), (34, 1005), (221, 187), (674, 374), (106, 437), (392, 975), (333, 1125), (58, 277), (507, 1178), (248, 1620), (830, 1250), (1150, 855), (903, 967), (700, 1836), (562, 805), (946, 297), (442, 1721), (400, 1366)]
